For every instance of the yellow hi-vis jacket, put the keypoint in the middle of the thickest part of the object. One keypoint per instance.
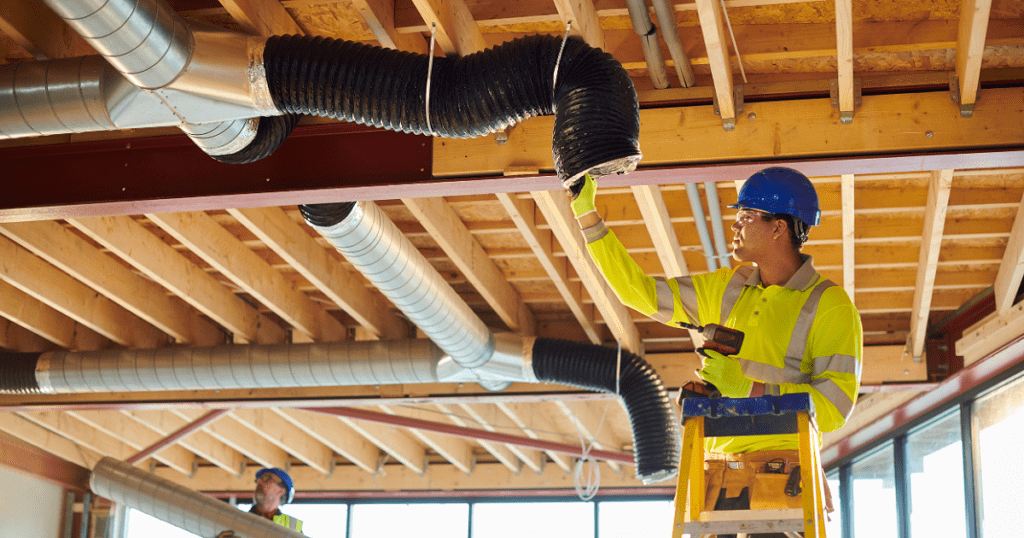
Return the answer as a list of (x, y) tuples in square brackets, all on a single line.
[(804, 336), (283, 520)]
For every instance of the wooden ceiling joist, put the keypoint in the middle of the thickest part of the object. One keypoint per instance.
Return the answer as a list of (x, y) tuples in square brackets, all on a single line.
[(712, 23), (934, 225), (970, 46), (458, 452), (455, 29), (379, 16), (584, 21), (849, 235), (200, 443)]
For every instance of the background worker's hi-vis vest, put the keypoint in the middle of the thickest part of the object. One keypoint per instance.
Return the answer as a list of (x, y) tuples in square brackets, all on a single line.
[(288, 521), (804, 336)]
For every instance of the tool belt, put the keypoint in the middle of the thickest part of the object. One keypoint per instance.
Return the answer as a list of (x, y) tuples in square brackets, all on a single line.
[(771, 479)]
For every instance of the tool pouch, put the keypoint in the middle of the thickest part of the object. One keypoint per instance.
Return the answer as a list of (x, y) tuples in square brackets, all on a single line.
[(769, 492)]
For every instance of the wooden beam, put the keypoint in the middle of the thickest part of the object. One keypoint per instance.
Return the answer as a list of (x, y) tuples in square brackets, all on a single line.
[(458, 452), (80, 433), (262, 17), (25, 458), (228, 255), (46, 440), (200, 443), (347, 289), (849, 236), (72, 298), (590, 422), (555, 207), (456, 31), (234, 434), (584, 19), (158, 261), (844, 58), (931, 242), (1011, 270), (501, 452), (493, 419), (712, 25), (800, 131), (18, 338), (542, 243), (536, 423), (379, 16), (970, 47), (37, 29), (42, 320), (396, 442), (140, 296), (286, 436), (447, 229), (336, 435), (136, 436)]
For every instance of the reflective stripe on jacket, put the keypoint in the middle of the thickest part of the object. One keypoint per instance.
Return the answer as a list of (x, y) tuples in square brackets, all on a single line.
[(805, 336), (288, 521)]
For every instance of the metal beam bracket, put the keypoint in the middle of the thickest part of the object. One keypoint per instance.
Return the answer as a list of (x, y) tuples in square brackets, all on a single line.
[(845, 116), (737, 98), (966, 111), (501, 137)]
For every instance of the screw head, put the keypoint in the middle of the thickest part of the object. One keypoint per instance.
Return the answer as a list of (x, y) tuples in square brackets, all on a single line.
[(752, 116), (928, 134)]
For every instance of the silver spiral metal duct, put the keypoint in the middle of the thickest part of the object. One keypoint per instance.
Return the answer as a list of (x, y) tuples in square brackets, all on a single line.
[(378, 250), (190, 510), (239, 367), (145, 40)]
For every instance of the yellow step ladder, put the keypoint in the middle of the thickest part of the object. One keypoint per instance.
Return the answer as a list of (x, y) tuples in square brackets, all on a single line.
[(732, 417)]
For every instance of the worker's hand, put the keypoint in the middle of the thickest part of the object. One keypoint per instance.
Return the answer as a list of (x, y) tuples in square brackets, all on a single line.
[(726, 374), (583, 199), (226, 534)]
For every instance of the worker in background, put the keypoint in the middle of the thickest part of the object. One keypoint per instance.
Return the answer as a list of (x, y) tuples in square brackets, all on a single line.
[(802, 332), (274, 488)]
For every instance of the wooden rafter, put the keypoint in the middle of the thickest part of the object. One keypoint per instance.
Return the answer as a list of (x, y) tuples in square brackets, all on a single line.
[(233, 433), (43, 438), (584, 19), (493, 419), (336, 435), (16, 337), (456, 30), (589, 423), (346, 288), (712, 23), (80, 433), (501, 452), (159, 262), (396, 442), (445, 227), (536, 423), (137, 437), (1011, 270), (849, 236), (379, 16), (217, 247), (47, 322), (970, 46), (38, 30), (74, 299), (200, 443), (286, 436), (542, 243), (458, 452), (844, 58), (555, 207), (262, 17), (142, 297), (931, 242)]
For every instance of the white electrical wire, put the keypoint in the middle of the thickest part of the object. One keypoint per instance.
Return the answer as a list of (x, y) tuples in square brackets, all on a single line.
[(739, 60), (430, 71), (587, 486), (554, 79)]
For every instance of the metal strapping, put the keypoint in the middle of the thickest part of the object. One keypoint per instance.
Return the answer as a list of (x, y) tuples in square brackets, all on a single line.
[(802, 329), (733, 290)]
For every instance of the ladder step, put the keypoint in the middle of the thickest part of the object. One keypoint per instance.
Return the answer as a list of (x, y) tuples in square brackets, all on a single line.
[(746, 521)]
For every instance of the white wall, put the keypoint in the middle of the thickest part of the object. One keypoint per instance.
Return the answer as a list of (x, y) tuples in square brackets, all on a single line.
[(29, 507)]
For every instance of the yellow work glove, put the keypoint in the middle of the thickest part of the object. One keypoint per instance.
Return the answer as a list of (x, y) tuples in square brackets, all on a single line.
[(725, 373), (583, 199)]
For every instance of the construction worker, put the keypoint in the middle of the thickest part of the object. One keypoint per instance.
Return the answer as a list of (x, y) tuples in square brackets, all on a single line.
[(802, 332), (274, 488)]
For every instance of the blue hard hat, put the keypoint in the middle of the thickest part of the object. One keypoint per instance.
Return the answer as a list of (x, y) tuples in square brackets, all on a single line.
[(781, 190), (287, 480)]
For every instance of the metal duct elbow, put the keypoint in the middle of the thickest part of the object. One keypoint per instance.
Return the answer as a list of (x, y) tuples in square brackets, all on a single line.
[(655, 431), (596, 112), (184, 508), (146, 40)]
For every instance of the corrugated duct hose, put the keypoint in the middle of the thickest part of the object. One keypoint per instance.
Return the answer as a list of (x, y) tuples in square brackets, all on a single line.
[(597, 121), (270, 134), (655, 434)]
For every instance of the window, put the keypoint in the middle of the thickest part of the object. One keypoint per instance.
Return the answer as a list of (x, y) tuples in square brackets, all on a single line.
[(998, 420), (625, 519), (405, 520), (141, 525), (874, 495), (834, 522), (935, 461), (535, 520)]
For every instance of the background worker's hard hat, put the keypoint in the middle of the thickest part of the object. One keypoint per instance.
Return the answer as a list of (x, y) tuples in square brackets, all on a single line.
[(287, 480), (781, 190)]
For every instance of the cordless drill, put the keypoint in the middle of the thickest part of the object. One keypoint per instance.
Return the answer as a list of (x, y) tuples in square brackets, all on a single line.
[(718, 338)]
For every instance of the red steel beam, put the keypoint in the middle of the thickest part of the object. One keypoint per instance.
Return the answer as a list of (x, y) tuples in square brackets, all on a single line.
[(458, 494), (43, 465), (470, 433), (177, 435), (965, 380)]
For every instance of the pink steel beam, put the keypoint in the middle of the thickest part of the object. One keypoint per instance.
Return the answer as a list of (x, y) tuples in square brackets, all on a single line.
[(43, 465), (470, 433), (177, 435)]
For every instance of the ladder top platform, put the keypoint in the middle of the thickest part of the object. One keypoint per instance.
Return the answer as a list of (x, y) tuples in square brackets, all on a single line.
[(747, 407)]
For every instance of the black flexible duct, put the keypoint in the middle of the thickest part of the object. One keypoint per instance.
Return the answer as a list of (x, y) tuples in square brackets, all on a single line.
[(655, 432), (326, 215), (270, 134), (18, 375), (597, 121)]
